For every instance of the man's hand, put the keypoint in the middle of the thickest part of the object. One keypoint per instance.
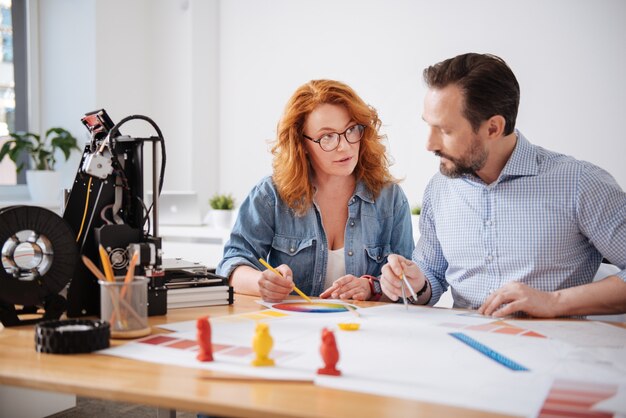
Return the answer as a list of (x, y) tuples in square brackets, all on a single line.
[(348, 287), (518, 297), (274, 288), (391, 279)]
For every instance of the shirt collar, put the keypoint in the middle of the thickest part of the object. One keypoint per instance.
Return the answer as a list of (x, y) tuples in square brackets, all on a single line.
[(363, 192), (523, 160), (360, 190)]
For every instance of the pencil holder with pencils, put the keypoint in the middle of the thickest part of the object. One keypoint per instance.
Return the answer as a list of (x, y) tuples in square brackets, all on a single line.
[(124, 304)]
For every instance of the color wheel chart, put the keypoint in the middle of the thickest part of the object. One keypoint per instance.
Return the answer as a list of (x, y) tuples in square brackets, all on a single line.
[(312, 307)]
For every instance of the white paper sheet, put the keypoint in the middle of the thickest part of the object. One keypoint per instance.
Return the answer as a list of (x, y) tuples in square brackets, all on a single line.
[(412, 354)]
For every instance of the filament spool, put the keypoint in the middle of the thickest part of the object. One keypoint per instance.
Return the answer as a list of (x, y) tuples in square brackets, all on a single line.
[(39, 256)]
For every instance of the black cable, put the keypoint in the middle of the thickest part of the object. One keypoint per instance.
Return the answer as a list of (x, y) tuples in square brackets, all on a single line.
[(147, 216), (115, 129)]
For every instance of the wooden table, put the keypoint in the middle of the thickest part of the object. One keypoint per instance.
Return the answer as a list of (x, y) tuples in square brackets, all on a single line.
[(186, 389)]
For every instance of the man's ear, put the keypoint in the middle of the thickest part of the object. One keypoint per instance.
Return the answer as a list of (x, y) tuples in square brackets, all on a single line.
[(495, 126)]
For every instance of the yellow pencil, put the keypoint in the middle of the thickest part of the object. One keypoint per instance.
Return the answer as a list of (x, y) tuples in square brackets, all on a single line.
[(298, 291), (130, 274), (106, 264), (108, 275)]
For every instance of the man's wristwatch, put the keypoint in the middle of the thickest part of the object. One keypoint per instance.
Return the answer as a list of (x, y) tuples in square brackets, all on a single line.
[(377, 291), (421, 291)]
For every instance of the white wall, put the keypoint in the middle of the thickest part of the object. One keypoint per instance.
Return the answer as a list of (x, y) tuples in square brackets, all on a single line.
[(569, 57), (67, 73), (215, 75), (156, 58)]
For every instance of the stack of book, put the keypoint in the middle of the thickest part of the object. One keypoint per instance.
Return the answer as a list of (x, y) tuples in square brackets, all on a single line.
[(187, 297), (193, 287)]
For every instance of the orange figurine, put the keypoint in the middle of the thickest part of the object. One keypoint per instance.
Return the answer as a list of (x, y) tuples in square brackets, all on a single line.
[(330, 354), (204, 339)]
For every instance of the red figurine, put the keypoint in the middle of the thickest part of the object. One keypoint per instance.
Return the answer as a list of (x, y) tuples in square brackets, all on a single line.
[(204, 339), (329, 353)]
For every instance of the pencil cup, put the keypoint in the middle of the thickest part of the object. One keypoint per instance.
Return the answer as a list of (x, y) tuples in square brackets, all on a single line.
[(125, 307)]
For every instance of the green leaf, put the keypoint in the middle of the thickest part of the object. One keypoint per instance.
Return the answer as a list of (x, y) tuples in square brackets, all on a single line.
[(222, 201), (41, 151), (6, 148)]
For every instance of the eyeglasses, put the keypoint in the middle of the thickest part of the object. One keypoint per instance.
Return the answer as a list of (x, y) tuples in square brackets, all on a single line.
[(330, 142)]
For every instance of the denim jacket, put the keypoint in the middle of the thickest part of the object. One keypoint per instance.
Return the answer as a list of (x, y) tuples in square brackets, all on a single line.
[(266, 227)]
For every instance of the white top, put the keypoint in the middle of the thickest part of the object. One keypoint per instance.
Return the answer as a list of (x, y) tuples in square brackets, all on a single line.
[(336, 267)]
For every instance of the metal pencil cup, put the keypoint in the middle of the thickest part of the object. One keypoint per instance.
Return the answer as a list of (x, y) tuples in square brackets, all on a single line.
[(125, 307)]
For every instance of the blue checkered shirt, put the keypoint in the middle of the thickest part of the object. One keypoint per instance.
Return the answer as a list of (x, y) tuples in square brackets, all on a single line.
[(547, 221)]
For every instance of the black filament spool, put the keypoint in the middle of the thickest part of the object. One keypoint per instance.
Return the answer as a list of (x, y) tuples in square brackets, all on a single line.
[(47, 240)]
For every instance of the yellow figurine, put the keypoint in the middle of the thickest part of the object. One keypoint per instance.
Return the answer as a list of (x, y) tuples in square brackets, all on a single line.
[(262, 345)]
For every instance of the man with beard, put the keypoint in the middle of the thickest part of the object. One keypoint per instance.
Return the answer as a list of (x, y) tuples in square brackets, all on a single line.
[(511, 227)]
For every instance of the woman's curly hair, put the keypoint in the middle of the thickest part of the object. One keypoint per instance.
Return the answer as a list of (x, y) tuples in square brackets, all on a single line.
[(292, 170)]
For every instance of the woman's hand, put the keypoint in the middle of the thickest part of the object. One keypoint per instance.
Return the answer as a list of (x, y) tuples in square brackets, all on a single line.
[(348, 287), (274, 288)]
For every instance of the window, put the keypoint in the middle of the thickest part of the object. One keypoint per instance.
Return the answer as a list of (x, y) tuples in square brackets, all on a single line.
[(13, 93)]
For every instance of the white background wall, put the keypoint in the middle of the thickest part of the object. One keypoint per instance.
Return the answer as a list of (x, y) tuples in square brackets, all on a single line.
[(215, 75)]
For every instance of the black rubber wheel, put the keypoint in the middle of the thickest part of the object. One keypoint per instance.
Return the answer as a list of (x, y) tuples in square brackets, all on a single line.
[(72, 336)]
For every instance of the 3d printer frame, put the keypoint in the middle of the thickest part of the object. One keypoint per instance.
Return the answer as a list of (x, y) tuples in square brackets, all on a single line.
[(106, 207)]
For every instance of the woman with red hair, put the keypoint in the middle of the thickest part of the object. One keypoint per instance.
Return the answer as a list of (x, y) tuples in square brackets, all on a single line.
[(331, 212)]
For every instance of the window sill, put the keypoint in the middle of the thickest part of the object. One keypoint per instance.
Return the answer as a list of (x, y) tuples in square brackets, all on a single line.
[(18, 195), (19, 192)]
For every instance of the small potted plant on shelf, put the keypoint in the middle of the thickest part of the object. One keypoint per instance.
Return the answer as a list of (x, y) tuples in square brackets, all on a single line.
[(415, 219), (42, 180), (222, 209)]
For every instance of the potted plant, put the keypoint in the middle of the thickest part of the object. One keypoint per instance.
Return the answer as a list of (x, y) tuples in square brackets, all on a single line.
[(222, 208), (42, 180)]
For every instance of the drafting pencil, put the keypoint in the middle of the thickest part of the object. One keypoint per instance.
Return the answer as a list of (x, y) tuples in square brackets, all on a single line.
[(298, 291)]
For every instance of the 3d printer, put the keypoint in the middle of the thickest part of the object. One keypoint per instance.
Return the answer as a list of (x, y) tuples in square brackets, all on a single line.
[(41, 252), (106, 207)]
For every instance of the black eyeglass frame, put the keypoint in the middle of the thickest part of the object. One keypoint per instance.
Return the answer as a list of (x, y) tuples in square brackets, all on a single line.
[(319, 140)]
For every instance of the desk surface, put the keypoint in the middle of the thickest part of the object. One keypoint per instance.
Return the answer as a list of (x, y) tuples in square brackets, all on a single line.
[(119, 379)]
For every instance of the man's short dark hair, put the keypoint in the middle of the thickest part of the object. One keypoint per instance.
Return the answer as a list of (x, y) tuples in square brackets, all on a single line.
[(488, 85)]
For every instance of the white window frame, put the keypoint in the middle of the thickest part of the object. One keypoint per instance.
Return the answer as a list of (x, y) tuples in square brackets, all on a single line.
[(19, 193)]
